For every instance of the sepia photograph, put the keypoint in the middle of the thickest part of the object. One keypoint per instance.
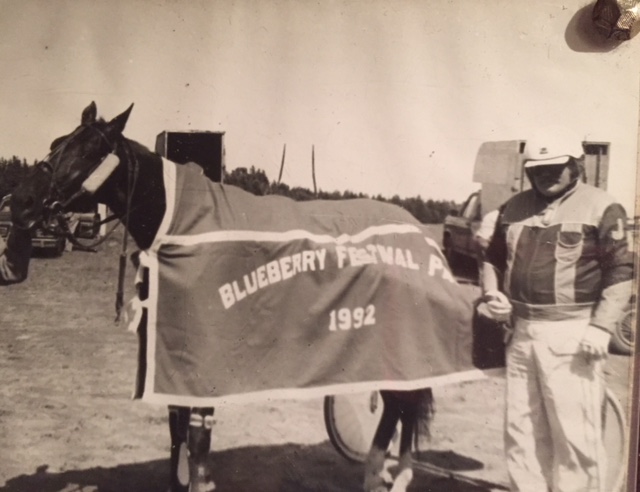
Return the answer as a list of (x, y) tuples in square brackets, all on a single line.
[(340, 245)]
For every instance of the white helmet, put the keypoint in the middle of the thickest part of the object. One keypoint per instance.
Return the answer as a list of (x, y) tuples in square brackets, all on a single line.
[(552, 145)]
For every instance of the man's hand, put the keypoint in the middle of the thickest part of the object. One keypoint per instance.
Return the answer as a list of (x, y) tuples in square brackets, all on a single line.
[(498, 307), (595, 343)]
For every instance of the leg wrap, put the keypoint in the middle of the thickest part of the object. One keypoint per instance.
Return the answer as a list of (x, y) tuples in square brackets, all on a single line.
[(202, 419), (200, 424), (179, 462)]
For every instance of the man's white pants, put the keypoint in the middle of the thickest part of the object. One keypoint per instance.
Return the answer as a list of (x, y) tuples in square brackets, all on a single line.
[(555, 395)]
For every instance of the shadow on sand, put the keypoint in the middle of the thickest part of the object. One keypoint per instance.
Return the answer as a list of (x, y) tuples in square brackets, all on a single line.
[(283, 468)]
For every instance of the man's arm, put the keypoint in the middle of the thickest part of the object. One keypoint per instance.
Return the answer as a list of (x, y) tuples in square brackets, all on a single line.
[(14, 259), (496, 305), (495, 259), (616, 264), (485, 232)]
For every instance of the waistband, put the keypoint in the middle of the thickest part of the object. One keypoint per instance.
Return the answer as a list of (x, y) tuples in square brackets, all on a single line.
[(552, 312)]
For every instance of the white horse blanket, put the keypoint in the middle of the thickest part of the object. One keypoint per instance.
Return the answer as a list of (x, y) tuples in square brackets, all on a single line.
[(264, 297)]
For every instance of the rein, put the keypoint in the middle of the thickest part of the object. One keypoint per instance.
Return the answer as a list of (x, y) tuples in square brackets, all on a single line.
[(69, 235), (133, 168)]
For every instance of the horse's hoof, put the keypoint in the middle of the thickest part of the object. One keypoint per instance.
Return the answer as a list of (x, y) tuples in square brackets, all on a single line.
[(376, 483), (203, 487), (201, 481), (379, 488), (402, 481)]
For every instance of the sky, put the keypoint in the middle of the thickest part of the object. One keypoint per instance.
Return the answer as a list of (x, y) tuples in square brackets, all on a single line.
[(395, 96)]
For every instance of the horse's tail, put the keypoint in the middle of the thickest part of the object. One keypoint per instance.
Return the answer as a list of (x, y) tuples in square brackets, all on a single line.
[(425, 412)]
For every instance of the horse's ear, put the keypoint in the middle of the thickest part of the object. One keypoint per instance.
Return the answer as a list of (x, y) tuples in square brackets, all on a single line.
[(116, 125), (89, 114)]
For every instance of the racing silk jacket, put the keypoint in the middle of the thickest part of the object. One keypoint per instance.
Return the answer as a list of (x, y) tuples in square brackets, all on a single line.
[(15, 256), (564, 259)]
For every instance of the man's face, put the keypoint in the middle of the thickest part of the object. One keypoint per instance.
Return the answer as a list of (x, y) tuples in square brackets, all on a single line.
[(551, 179)]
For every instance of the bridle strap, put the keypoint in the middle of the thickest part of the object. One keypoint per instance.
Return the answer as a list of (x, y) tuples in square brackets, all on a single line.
[(89, 246), (53, 189)]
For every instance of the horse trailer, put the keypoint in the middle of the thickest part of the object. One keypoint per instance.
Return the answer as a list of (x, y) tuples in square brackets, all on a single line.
[(205, 148)]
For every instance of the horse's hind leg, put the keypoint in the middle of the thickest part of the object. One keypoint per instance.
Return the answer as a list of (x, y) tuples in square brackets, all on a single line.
[(179, 462), (425, 413), (408, 417), (374, 464), (199, 443)]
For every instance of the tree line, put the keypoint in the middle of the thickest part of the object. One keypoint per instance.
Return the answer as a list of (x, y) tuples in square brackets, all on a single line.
[(255, 181), (12, 170)]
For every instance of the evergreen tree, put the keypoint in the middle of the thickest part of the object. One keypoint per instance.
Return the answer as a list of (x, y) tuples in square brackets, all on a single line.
[(255, 181), (12, 171)]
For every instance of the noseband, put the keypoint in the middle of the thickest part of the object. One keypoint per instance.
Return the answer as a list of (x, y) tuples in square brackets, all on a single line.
[(55, 201)]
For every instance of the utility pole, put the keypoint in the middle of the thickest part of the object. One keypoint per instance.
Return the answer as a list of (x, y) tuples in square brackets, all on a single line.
[(313, 170), (284, 150)]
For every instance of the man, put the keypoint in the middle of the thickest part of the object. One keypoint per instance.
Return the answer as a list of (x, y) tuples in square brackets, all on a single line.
[(559, 267), (15, 256), (26, 211)]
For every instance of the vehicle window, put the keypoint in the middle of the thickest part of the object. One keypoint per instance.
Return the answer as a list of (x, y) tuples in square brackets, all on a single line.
[(472, 209)]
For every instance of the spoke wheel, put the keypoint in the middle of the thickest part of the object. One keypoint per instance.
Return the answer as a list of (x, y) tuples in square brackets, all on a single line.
[(623, 338), (351, 421), (615, 443)]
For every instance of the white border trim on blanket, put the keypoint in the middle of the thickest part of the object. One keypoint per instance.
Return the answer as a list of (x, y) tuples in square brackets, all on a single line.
[(238, 235), (152, 318), (321, 391), (169, 177)]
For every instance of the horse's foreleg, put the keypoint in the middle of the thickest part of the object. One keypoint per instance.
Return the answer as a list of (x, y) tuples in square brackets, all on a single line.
[(374, 464), (179, 462), (199, 444)]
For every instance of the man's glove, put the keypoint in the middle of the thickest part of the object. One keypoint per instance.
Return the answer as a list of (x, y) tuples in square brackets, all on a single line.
[(595, 343), (498, 307)]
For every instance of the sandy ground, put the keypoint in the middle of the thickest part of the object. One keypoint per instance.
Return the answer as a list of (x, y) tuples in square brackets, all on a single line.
[(67, 422)]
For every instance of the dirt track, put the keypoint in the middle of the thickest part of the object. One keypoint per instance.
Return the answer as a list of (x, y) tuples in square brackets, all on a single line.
[(67, 423)]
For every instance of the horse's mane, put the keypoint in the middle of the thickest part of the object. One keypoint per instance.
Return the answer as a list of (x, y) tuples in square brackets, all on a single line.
[(138, 147)]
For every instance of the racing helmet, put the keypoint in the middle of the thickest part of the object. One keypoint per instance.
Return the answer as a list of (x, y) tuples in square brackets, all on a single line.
[(552, 145)]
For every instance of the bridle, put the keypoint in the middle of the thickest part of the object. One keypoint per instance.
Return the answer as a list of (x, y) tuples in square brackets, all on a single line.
[(56, 205)]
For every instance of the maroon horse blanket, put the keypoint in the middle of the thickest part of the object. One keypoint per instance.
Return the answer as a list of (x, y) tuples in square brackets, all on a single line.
[(263, 297)]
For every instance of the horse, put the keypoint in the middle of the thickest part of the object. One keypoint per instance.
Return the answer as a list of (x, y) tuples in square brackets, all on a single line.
[(82, 169)]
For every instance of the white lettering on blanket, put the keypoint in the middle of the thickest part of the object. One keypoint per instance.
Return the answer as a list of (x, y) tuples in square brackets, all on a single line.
[(315, 260), (373, 254), (272, 273)]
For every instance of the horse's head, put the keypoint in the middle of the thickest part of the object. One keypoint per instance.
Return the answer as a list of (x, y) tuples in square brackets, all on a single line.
[(83, 160), (96, 163)]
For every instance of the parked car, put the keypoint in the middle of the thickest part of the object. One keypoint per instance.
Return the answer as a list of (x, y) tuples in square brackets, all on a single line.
[(459, 231), (86, 226)]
